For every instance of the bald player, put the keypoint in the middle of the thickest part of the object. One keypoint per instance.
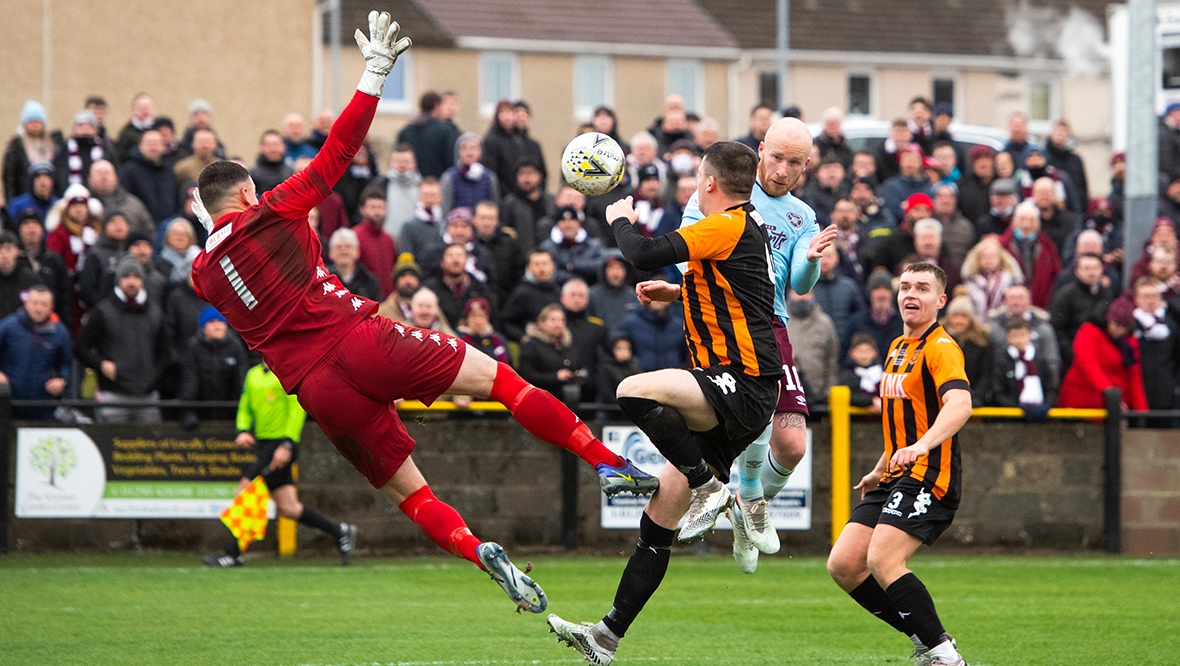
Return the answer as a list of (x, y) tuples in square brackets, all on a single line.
[(796, 244)]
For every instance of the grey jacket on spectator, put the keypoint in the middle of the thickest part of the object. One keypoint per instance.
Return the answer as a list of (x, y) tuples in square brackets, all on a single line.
[(137, 215), (612, 304), (420, 238), (1043, 336), (813, 339), (581, 258)]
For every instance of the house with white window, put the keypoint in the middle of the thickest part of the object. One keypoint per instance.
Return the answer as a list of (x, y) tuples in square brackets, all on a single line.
[(563, 57), (989, 58)]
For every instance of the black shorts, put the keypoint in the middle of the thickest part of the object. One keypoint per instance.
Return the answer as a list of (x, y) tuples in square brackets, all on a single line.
[(743, 405), (265, 448), (907, 505)]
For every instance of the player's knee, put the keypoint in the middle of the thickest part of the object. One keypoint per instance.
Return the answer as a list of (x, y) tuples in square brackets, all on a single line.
[(630, 388), (292, 509), (841, 568)]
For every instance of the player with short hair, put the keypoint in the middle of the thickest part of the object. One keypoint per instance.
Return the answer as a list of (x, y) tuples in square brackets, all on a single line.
[(796, 244), (912, 493), (262, 268), (699, 420)]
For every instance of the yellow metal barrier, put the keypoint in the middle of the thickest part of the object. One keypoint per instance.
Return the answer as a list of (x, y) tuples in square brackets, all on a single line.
[(447, 406), (839, 402), (288, 528), (840, 413)]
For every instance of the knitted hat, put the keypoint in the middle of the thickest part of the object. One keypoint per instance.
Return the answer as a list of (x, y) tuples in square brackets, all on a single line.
[(405, 262), (32, 110), (137, 237), (1121, 312), (128, 265), (944, 109), (960, 305), (38, 168), (86, 117), (210, 314), (919, 199), (647, 172), (460, 214), (477, 303), (199, 105), (980, 152), (1172, 106), (1120, 156), (29, 214), (879, 279), (76, 193)]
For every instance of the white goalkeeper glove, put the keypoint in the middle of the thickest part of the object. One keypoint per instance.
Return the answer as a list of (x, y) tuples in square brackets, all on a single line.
[(380, 49)]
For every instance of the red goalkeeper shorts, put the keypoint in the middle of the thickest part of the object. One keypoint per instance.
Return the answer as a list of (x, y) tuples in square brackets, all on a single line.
[(350, 393)]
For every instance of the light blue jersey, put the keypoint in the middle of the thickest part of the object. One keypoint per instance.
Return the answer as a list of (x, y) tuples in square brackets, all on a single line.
[(790, 224)]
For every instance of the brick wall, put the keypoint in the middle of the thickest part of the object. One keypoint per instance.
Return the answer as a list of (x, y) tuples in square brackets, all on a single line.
[(1025, 486), (1151, 491)]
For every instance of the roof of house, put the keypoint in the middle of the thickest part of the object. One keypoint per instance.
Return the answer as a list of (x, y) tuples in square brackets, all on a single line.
[(649, 22), (415, 23), (967, 27), (963, 27)]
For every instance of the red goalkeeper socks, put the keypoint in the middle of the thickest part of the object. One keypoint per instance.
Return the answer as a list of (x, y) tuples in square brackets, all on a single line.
[(441, 523), (548, 419)]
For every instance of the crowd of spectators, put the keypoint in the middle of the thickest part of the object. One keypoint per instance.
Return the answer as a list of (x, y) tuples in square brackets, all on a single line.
[(471, 235)]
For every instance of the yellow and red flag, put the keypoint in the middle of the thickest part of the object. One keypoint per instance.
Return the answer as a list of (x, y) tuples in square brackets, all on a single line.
[(246, 517)]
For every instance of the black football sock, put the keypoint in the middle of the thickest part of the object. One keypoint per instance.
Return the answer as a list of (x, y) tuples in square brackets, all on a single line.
[(318, 521), (914, 604), (876, 601), (233, 550), (642, 576), (666, 429)]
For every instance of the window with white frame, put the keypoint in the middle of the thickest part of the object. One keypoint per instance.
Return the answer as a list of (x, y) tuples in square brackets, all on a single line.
[(499, 78), (687, 79), (860, 94), (398, 95), (1042, 105), (594, 84)]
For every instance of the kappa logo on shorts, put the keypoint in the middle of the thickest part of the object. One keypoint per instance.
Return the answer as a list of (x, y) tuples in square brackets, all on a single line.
[(921, 504), (725, 382), (356, 304)]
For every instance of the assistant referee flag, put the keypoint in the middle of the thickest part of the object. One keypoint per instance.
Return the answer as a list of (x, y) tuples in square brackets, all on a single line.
[(246, 516)]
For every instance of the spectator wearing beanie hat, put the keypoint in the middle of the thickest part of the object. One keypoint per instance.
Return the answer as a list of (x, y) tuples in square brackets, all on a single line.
[(892, 249), (30, 144), (1105, 356), (407, 279), (124, 342), (214, 368), (909, 180), (73, 155), (574, 252), (14, 278), (103, 257), (974, 186), (40, 196), (468, 182), (476, 330), (47, 265), (881, 320)]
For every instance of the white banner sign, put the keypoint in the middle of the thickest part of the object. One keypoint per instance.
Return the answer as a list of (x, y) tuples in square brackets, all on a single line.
[(64, 473), (790, 510)]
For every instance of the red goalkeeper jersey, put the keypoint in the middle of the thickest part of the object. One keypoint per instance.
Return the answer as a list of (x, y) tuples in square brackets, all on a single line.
[(262, 268)]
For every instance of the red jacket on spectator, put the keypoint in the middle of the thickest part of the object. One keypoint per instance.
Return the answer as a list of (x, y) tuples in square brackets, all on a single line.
[(378, 253), (1097, 366), (333, 216), (1040, 276)]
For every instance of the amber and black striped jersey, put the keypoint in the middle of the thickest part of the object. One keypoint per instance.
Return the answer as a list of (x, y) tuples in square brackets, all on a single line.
[(728, 292), (728, 289), (918, 373)]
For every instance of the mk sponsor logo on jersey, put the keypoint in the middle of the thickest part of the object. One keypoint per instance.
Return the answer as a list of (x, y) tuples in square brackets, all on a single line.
[(891, 386)]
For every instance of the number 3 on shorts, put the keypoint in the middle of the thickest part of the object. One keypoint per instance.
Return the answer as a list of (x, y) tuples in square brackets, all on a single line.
[(895, 501)]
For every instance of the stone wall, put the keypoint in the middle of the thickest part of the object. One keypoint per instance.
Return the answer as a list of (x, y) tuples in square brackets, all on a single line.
[(1151, 492), (1025, 486)]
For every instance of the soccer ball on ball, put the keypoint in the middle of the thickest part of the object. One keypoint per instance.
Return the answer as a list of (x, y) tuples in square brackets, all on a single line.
[(593, 164)]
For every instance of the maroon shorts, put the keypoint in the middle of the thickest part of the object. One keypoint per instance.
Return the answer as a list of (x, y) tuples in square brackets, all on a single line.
[(790, 389), (350, 393)]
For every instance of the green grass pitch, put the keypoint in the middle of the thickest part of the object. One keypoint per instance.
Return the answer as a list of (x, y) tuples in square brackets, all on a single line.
[(169, 609)]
